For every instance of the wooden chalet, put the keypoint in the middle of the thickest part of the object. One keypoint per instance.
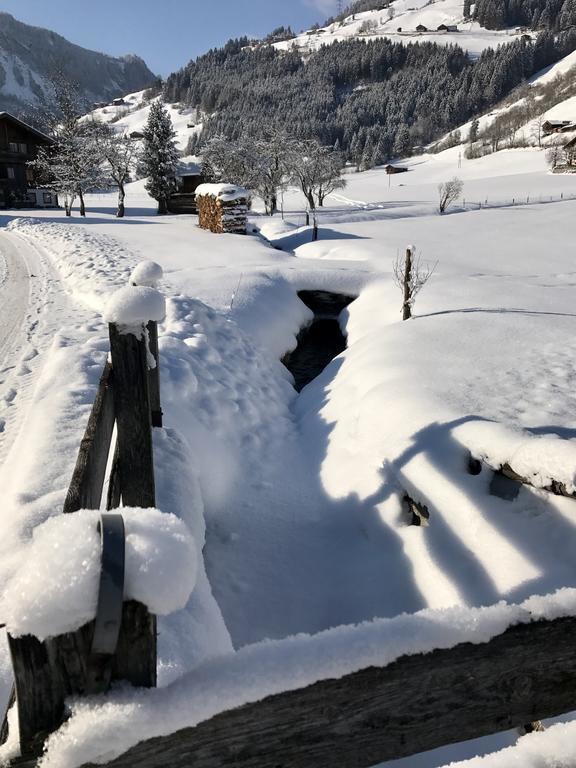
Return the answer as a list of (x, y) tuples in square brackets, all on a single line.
[(447, 28), (421, 28), (392, 169), (19, 144), (554, 126), (188, 179), (570, 150)]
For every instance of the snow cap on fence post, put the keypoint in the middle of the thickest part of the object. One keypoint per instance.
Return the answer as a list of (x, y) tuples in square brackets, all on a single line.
[(132, 307), (147, 273)]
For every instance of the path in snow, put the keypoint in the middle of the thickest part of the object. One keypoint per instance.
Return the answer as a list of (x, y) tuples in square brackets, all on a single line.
[(29, 292)]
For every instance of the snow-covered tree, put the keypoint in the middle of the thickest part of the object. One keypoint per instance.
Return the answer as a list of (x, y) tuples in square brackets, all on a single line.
[(275, 151), (121, 155), (74, 164), (317, 170), (232, 161), (160, 156), (448, 192)]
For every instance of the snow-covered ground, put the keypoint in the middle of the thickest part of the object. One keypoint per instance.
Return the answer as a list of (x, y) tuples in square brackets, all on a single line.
[(302, 495), (399, 22)]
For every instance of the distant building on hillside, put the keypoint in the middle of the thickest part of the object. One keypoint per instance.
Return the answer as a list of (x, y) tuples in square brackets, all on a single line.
[(421, 28), (136, 135), (118, 103), (19, 144), (448, 28), (570, 151), (554, 126), (392, 169)]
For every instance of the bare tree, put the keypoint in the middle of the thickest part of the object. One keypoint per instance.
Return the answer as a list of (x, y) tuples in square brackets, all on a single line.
[(317, 171), (263, 164), (556, 154), (410, 275), (122, 156), (448, 192)]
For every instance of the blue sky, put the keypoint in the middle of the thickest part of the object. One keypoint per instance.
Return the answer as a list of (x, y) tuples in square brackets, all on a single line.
[(166, 33)]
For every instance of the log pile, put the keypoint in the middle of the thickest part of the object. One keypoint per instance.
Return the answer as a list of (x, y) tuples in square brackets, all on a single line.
[(223, 208)]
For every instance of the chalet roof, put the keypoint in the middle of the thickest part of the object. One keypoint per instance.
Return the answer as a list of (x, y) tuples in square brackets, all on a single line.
[(570, 144), (26, 127), (557, 123)]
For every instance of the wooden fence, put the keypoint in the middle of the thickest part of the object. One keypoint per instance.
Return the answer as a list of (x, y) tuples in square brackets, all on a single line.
[(120, 644), (418, 703), (415, 704)]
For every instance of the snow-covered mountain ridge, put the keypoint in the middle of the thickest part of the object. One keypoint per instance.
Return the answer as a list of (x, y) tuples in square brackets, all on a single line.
[(29, 57)]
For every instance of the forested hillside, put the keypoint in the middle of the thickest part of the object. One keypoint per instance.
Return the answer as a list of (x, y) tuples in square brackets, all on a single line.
[(536, 14), (373, 98)]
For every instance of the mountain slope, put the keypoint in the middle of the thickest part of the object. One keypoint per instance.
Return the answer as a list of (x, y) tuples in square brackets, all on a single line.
[(399, 21), (30, 56)]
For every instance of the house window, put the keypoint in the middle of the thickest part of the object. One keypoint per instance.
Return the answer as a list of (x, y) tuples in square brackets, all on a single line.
[(13, 146), (11, 173), (29, 175), (47, 198), (23, 148)]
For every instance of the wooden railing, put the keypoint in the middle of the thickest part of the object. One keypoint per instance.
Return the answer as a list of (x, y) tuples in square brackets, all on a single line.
[(417, 703), (88, 661)]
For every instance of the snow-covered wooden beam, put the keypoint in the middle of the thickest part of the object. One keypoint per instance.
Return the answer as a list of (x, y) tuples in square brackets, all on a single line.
[(417, 703)]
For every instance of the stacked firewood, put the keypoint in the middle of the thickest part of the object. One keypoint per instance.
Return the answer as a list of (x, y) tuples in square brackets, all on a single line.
[(222, 208)]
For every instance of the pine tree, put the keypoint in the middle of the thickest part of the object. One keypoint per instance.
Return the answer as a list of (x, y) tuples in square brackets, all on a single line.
[(159, 156), (473, 135), (402, 142)]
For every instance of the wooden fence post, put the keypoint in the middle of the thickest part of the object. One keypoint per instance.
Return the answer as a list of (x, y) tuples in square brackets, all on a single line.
[(46, 673), (135, 660), (154, 375)]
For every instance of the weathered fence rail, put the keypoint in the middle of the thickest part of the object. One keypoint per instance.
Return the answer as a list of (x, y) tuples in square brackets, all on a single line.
[(415, 704), (85, 662)]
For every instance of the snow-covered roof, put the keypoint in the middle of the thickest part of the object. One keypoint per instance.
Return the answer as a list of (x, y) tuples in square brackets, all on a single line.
[(224, 192), (188, 168), (25, 126)]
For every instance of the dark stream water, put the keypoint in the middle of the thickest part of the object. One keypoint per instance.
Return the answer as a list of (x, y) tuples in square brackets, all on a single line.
[(321, 341)]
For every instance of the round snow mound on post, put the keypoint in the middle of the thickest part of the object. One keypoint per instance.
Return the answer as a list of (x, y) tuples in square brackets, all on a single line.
[(135, 304), (147, 273)]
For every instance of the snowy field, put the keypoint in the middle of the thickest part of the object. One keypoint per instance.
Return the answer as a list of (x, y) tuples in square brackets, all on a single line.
[(299, 498)]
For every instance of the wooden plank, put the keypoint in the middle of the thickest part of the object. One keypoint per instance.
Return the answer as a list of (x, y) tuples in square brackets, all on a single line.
[(85, 491), (132, 408), (555, 486), (114, 489), (46, 673), (154, 376), (135, 660), (416, 704)]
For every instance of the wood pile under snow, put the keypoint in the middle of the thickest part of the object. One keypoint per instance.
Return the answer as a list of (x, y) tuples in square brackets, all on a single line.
[(223, 207)]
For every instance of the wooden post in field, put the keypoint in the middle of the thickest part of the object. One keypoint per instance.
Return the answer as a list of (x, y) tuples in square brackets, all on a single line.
[(406, 308)]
